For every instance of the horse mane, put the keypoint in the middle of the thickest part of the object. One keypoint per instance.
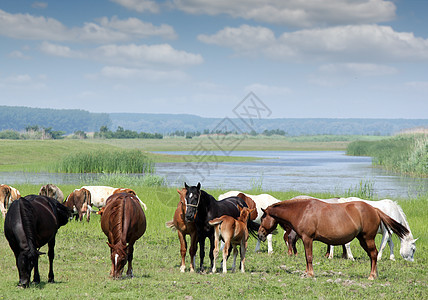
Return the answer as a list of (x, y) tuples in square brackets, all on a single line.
[(116, 220)]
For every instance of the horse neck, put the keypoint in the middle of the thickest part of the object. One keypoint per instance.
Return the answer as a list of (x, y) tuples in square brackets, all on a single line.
[(285, 212), (403, 220), (206, 202)]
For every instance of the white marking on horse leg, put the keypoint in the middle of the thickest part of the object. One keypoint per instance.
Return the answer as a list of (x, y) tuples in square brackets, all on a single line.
[(391, 249), (330, 255), (182, 268), (348, 251), (269, 239)]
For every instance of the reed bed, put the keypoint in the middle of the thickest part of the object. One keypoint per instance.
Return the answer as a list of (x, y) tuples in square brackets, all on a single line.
[(100, 161), (406, 154)]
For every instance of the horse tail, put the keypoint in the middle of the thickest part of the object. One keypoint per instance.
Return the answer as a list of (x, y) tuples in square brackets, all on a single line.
[(253, 228), (170, 224), (390, 223), (26, 211), (215, 221)]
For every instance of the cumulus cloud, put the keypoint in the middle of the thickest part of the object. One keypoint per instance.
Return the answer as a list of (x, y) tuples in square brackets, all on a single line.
[(29, 27), (22, 82), (128, 55), (297, 13), (360, 43), (139, 5)]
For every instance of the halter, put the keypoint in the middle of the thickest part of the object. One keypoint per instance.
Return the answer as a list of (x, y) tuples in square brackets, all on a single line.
[(197, 204)]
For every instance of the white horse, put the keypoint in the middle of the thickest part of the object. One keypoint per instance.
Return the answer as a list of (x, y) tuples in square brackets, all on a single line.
[(392, 209), (262, 202)]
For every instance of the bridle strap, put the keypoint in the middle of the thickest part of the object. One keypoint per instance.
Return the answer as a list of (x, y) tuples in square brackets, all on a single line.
[(197, 204)]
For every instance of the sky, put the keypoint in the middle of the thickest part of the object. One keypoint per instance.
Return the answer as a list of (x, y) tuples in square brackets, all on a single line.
[(300, 59)]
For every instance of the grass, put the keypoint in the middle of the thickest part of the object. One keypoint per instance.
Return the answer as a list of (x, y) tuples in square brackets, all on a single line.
[(405, 154), (102, 161), (82, 263)]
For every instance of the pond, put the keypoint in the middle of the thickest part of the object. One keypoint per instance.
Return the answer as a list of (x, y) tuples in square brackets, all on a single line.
[(304, 171)]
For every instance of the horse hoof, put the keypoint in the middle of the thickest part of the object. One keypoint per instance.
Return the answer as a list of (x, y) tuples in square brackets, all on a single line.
[(182, 269)]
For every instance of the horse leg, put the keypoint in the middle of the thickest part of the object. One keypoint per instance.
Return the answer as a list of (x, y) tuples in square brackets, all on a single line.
[(235, 255), (211, 254), (391, 249), (216, 247), (243, 249), (347, 249), (225, 255), (183, 250), (192, 250), (257, 249), (370, 247), (307, 242), (329, 252), (130, 272), (201, 252), (36, 278), (51, 255), (385, 239), (292, 241), (269, 240)]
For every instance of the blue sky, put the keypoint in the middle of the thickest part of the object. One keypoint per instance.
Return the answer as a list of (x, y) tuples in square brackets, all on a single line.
[(322, 59)]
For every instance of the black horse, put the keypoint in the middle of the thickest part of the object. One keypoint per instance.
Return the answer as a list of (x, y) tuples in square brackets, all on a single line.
[(201, 207), (31, 222)]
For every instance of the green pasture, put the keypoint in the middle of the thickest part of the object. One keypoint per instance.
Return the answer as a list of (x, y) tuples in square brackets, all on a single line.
[(82, 263)]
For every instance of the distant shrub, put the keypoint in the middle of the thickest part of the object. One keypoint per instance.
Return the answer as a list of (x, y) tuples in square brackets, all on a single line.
[(10, 135)]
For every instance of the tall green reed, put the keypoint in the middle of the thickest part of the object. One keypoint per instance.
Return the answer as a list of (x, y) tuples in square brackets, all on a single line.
[(118, 161)]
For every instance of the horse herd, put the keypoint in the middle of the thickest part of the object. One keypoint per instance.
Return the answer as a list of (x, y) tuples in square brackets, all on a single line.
[(32, 221)]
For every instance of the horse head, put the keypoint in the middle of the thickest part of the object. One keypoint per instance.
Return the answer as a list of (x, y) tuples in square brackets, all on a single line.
[(25, 263), (244, 213), (408, 248), (182, 202), (119, 257), (267, 225), (192, 199)]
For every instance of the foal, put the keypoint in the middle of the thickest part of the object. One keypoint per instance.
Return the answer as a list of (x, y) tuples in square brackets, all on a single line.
[(233, 232)]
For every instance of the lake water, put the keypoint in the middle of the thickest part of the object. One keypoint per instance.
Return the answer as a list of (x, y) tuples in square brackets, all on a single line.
[(304, 171)]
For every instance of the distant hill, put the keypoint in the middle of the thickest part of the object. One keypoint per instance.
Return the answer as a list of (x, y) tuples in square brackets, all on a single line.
[(169, 123), (71, 120), (68, 120)]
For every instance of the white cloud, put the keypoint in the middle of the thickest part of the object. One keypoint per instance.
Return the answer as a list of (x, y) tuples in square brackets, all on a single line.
[(360, 43), (21, 82), (39, 5), (147, 54), (29, 27), (18, 54), (357, 69), (58, 50), (138, 28), (144, 74), (139, 5), (297, 13)]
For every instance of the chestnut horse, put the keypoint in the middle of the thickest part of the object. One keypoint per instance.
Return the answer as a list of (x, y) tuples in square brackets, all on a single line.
[(333, 224), (123, 222), (80, 200), (184, 228), (233, 232)]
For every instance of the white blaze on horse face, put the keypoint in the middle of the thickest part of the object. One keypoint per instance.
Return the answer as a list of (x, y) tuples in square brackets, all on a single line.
[(116, 256), (191, 195)]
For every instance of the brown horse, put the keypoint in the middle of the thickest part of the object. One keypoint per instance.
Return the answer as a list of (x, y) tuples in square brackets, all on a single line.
[(233, 232), (51, 190), (333, 224), (80, 199), (123, 222), (184, 228)]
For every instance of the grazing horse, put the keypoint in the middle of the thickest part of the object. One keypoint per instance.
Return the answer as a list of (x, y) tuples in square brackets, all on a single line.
[(313, 219), (233, 232), (32, 222), (8, 194), (392, 209), (123, 222), (184, 228), (52, 191), (262, 201), (80, 199), (201, 207)]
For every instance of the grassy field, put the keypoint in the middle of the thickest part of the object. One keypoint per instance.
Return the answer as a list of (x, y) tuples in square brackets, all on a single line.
[(82, 264)]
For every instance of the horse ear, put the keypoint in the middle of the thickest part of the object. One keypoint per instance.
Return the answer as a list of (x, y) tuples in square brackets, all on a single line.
[(198, 186), (185, 185), (263, 210), (415, 240)]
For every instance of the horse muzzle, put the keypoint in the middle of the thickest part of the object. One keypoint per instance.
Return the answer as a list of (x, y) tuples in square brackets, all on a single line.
[(261, 236)]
